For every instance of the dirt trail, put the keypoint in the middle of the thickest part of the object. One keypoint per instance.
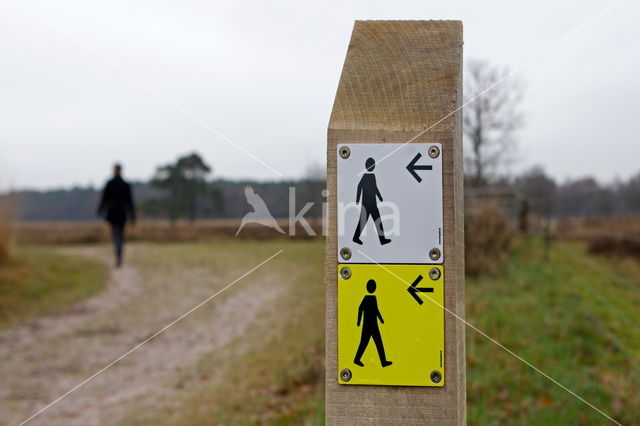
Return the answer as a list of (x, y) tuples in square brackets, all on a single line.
[(42, 360)]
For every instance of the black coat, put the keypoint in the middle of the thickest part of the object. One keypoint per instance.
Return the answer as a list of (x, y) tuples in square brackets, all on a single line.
[(116, 204)]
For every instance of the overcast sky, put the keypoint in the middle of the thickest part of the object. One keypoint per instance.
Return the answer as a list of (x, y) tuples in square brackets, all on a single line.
[(86, 83)]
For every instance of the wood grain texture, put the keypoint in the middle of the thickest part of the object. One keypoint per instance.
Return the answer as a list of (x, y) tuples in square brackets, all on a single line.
[(400, 77)]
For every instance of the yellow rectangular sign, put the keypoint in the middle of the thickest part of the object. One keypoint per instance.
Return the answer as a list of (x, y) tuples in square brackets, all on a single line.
[(391, 325)]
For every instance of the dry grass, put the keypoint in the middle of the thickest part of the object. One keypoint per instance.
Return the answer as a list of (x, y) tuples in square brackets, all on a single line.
[(609, 236), (622, 227), (151, 230), (487, 238)]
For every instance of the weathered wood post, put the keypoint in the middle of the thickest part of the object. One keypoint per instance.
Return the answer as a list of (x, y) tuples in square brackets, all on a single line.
[(395, 349)]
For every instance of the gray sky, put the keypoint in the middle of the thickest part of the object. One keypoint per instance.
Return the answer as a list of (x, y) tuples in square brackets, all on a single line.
[(265, 73)]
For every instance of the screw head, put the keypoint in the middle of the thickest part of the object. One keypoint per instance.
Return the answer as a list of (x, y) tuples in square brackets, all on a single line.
[(434, 273), (434, 151), (435, 376), (345, 375), (345, 273), (345, 253), (434, 253), (345, 152)]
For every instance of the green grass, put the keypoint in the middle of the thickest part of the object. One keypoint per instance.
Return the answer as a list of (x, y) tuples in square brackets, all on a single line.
[(570, 318), (38, 281), (574, 316)]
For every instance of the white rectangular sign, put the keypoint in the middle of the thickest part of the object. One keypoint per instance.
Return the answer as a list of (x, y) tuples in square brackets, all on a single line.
[(390, 203)]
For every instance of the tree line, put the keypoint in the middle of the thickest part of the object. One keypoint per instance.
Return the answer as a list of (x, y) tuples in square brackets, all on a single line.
[(224, 199), (182, 189)]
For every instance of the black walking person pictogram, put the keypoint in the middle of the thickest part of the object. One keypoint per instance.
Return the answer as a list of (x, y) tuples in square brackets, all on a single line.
[(368, 189), (369, 313)]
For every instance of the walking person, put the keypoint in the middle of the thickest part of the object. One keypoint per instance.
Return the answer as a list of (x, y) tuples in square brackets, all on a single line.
[(369, 314), (368, 190), (116, 206)]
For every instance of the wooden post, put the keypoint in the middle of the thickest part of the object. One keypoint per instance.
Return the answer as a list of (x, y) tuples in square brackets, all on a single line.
[(399, 78)]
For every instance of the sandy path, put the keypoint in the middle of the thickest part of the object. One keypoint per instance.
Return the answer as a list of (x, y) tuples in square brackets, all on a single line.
[(43, 359)]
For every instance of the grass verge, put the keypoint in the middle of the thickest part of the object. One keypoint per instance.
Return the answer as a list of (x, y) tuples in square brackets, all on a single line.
[(567, 316), (37, 281)]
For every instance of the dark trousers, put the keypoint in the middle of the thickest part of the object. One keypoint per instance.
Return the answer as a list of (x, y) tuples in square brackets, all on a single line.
[(364, 341), (117, 233), (365, 212)]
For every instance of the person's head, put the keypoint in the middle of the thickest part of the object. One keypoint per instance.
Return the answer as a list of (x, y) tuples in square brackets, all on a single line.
[(371, 286), (370, 164), (117, 169)]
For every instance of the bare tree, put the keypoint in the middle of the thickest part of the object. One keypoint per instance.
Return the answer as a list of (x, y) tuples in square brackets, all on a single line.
[(491, 119)]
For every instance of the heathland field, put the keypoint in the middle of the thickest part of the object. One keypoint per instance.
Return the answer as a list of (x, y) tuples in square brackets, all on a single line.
[(254, 354)]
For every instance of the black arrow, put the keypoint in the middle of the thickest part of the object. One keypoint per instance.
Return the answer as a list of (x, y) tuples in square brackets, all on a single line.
[(412, 167), (413, 290)]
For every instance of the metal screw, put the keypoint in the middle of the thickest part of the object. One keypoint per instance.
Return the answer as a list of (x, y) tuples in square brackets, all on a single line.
[(345, 253), (434, 254), (434, 273), (345, 375), (345, 273), (434, 151), (345, 152), (435, 376)]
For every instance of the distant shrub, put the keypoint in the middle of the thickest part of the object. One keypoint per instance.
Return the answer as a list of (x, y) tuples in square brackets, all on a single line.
[(7, 211), (487, 238), (615, 246)]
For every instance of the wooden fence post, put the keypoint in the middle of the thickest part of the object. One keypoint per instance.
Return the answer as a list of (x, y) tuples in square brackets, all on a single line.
[(400, 78)]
